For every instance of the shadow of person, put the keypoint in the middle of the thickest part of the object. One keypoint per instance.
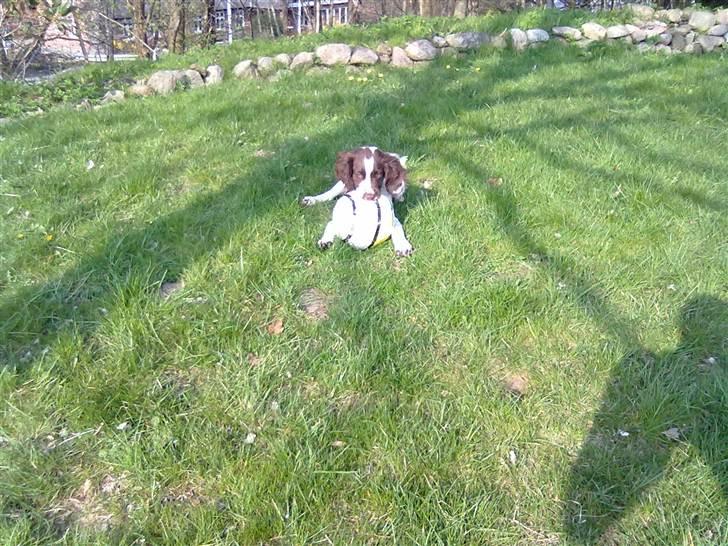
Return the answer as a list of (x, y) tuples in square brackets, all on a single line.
[(654, 402)]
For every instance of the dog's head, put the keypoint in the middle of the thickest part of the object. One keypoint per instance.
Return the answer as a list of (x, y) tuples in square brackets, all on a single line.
[(374, 169)]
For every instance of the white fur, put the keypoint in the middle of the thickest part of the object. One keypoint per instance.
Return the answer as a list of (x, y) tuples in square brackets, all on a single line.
[(360, 226)]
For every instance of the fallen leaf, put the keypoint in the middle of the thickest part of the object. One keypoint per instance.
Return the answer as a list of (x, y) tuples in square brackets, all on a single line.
[(512, 458), (263, 153), (673, 433), (338, 444), (90, 164), (275, 328), (516, 384), (622, 433), (250, 438), (122, 426), (495, 181)]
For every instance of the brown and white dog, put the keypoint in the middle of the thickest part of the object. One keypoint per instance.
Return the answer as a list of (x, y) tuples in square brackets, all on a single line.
[(370, 180), (365, 170)]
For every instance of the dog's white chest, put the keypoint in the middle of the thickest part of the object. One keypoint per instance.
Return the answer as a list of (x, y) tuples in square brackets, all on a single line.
[(363, 223)]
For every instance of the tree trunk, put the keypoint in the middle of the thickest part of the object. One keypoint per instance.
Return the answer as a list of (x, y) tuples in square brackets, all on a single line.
[(208, 24), (176, 26), (284, 17), (139, 27), (426, 8), (317, 15)]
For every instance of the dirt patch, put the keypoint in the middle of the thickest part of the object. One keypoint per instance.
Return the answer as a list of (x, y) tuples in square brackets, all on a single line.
[(315, 304), (516, 384)]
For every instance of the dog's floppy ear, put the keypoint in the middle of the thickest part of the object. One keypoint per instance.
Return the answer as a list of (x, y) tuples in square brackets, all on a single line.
[(394, 171), (344, 169)]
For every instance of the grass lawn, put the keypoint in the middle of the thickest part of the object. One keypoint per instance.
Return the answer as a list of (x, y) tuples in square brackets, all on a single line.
[(568, 211)]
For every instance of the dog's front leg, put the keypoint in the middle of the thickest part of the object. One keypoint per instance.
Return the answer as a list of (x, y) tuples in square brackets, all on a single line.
[(327, 239), (337, 189), (402, 247)]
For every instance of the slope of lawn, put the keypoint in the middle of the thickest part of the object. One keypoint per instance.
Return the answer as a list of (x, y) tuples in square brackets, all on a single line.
[(549, 367)]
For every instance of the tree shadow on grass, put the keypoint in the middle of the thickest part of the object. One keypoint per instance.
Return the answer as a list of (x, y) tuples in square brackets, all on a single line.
[(655, 403)]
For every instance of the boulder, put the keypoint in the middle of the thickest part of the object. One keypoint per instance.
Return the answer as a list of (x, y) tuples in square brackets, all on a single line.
[(245, 70), (363, 55), (721, 17), (709, 43), (718, 30), (400, 58), (500, 41), (537, 35), (570, 33), (674, 15), (694, 48), (140, 89), (384, 49), (197, 68), (665, 38), (113, 96), (593, 31), (194, 78), (164, 82), (265, 66), (678, 42), (467, 40), (302, 60), (439, 41), (421, 50), (332, 54), (519, 39), (282, 60), (638, 35), (663, 49), (214, 74), (644, 47), (702, 20), (617, 31), (654, 28)]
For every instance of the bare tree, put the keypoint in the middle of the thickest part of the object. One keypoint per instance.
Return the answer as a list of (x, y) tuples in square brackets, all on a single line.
[(176, 22)]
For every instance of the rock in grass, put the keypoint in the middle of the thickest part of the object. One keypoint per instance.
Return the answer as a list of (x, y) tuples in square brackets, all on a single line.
[(363, 55), (265, 66), (194, 79), (113, 96), (332, 54), (164, 82), (537, 35), (245, 70), (593, 31), (467, 40), (709, 43), (718, 30), (519, 39), (400, 58), (302, 60), (140, 89), (421, 50), (617, 31), (214, 75), (702, 20), (282, 60), (570, 33)]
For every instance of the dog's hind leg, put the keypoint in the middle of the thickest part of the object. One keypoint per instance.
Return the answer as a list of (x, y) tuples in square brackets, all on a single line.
[(327, 239), (335, 191)]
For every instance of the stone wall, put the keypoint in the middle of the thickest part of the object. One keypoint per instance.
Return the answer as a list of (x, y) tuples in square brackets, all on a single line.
[(666, 32)]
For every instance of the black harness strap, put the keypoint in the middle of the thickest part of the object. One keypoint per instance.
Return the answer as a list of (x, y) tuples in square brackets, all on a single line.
[(379, 219), (379, 225)]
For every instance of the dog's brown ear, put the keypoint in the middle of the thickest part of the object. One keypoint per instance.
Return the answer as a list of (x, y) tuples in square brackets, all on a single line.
[(344, 169), (394, 174)]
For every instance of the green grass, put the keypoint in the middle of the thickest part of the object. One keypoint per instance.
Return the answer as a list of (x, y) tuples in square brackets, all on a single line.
[(95, 80), (597, 270)]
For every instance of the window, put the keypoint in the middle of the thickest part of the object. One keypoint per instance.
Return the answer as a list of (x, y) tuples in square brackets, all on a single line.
[(197, 25), (239, 18), (220, 20), (340, 15)]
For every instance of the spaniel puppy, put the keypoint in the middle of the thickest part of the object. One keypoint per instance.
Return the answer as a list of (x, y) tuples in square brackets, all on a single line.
[(368, 182), (366, 170)]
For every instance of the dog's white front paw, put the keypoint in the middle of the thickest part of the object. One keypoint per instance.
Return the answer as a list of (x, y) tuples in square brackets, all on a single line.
[(404, 251), (323, 245), (308, 201)]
